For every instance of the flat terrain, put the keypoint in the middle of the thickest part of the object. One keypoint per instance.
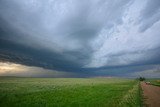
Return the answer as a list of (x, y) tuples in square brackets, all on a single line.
[(69, 92), (155, 82), (151, 94)]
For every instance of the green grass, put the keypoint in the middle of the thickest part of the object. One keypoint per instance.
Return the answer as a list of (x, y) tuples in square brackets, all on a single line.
[(69, 92), (155, 82)]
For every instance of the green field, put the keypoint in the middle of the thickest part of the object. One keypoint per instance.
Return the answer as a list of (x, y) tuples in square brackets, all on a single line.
[(155, 82), (69, 92)]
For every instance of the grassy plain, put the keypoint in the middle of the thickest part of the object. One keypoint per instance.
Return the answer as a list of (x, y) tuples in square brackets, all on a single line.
[(69, 92), (155, 82)]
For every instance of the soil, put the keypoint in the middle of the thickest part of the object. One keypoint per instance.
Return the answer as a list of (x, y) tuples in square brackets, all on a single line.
[(151, 95)]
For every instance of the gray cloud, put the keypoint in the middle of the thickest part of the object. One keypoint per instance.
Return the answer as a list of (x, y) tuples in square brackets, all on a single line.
[(80, 35), (58, 23), (150, 14), (124, 44), (11, 69), (152, 72)]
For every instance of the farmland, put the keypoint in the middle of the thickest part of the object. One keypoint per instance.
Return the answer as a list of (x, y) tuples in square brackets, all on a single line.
[(69, 92)]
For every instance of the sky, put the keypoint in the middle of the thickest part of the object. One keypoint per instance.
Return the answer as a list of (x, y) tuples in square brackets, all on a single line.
[(80, 38)]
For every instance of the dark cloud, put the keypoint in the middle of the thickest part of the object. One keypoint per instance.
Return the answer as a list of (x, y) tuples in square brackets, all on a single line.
[(28, 56), (80, 36)]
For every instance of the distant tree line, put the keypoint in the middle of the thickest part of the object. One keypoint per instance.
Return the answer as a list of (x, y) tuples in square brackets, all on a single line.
[(141, 78)]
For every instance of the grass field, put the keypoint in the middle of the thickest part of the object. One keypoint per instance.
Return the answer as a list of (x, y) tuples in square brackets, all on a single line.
[(69, 92), (155, 82)]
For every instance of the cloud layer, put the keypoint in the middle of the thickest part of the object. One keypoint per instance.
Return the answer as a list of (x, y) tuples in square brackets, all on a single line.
[(78, 35)]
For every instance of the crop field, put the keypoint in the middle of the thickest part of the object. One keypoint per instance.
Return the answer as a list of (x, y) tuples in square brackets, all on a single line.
[(69, 92)]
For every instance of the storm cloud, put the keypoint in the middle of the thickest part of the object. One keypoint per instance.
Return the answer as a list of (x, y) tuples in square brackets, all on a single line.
[(80, 36)]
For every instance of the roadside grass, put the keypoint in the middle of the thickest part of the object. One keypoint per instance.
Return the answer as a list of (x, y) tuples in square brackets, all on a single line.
[(141, 97), (155, 82), (132, 98), (69, 92)]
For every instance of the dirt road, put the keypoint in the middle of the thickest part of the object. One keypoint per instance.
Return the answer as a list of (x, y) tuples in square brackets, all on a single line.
[(151, 94)]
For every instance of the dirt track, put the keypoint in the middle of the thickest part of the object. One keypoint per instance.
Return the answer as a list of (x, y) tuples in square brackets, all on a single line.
[(151, 94)]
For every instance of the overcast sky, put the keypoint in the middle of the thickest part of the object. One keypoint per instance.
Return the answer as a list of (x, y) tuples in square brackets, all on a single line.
[(87, 37)]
